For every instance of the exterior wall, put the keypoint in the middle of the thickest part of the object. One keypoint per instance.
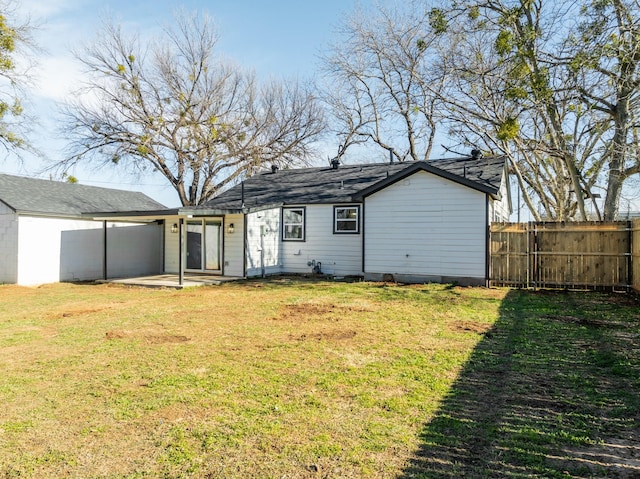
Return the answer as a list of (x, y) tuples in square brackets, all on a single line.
[(264, 255), (56, 249), (133, 249), (8, 245), (440, 237), (233, 246), (171, 245), (500, 210), (340, 254)]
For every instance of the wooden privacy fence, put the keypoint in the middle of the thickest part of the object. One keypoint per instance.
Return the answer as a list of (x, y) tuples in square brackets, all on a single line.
[(635, 254), (566, 255)]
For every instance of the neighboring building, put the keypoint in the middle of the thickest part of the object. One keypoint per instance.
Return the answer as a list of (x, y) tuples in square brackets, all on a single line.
[(45, 235), (412, 221), (627, 215)]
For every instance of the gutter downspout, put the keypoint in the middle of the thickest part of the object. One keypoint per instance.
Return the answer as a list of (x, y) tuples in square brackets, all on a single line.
[(487, 244), (262, 268), (104, 251), (244, 245), (363, 232), (163, 265)]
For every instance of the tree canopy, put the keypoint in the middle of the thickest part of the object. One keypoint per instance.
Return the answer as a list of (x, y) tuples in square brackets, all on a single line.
[(382, 88), (15, 63), (174, 106)]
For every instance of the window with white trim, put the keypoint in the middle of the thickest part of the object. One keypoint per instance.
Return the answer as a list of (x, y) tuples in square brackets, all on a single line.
[(346, 219), (293, 224)]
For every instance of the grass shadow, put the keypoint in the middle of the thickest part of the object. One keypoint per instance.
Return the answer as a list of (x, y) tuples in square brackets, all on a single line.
[(552, 390)]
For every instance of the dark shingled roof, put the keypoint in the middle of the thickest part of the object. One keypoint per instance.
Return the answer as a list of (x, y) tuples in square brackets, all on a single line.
[(45, 197), (350, 183)]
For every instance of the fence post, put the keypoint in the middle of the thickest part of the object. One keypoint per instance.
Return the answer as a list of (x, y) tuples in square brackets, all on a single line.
[(530, 255), (630, 256), (536, 259)]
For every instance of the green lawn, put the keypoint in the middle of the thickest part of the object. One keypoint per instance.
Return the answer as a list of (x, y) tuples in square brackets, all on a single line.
[(290, 378)]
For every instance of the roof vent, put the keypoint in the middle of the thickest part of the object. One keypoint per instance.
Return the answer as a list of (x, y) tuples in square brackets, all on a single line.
[(274, 169), (335, 163), (476, 154)]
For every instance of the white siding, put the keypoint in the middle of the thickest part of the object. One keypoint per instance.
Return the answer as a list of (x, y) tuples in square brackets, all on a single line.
[(56, 249), (8, 245), (340, 254), (263, 243), (171, 247), (426, 226), (233, 245), (500, 210)]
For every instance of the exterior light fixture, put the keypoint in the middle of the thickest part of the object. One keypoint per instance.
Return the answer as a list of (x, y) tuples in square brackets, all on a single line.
[(231, 228), (174, 228)]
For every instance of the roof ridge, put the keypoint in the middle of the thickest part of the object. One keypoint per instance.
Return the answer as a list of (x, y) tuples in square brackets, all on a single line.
[(382, 163), (66, 183), (53, 197)]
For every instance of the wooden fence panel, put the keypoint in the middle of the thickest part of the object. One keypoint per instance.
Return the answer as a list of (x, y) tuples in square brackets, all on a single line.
[(562, 255), (635, 253), (509, 255)]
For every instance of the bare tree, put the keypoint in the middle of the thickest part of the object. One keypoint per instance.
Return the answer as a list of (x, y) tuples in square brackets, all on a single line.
[(510, 95), (497, 102), (383, 87), (604, 54), (174, 107), (403, 73), (568, 73), (554, 86)]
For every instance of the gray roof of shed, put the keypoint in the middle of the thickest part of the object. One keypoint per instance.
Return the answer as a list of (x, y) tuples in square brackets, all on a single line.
[(56, 198), (351, 183)]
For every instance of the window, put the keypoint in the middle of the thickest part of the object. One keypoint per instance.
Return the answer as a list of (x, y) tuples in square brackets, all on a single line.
[(293, 224), (346, 219)]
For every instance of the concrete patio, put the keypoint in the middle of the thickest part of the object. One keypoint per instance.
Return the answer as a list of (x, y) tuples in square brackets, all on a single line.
[(172, 280)]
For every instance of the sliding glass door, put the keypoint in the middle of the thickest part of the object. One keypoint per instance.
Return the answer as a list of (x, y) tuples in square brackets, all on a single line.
[(204, 240)]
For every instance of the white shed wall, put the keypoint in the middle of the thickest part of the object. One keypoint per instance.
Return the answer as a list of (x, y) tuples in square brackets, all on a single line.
[(263, 243), (57, 249), (340, 254), (440, 236), (133, 249), (8, 245)]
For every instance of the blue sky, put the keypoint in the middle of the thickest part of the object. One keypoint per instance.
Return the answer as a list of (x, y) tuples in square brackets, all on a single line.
[(281, 38)]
